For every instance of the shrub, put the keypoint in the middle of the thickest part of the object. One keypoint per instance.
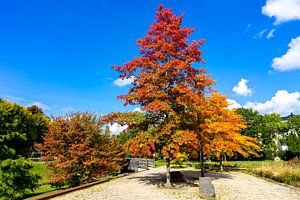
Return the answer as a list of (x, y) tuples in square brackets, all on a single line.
[(15, 178), (84, 152)]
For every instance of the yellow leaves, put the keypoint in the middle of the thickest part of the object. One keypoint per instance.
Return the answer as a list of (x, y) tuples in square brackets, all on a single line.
[(188, 114), (221, 128)]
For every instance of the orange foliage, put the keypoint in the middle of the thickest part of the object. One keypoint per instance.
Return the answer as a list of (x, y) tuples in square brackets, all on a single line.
[(221, 129), (165, 84), (83, 152), (189, 115)]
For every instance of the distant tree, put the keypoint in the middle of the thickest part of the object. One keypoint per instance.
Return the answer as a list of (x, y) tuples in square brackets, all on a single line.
[(265, 128), (271, 128), (292, 137), (83, 152), (34, 109), (253, 120), (41, 122), (165, 83)]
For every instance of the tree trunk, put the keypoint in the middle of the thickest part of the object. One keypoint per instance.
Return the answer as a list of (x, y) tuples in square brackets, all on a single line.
[(168, 174), (221, 163), (202, 165)]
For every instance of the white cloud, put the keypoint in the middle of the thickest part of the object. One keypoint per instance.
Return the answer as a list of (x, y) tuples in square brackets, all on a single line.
[(291, 59), (12, 98), (282, 10), (233, 104), (282, 103), (116, 128), (242, 89), (260, 34), (40, 105), (248, 27), (138, 109), (271, 34), (123, 82)]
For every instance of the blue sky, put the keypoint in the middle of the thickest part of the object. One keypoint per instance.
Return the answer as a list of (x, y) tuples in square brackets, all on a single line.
[(58, 54)]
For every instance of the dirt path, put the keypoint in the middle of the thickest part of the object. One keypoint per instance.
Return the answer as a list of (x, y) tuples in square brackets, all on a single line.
[(146, 185)]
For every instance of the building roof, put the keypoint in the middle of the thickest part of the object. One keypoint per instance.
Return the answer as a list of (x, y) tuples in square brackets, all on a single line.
[(286, 117)]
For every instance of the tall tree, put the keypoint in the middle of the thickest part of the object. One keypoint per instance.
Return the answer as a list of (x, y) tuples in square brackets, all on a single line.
[(84, 153), (165, 82)]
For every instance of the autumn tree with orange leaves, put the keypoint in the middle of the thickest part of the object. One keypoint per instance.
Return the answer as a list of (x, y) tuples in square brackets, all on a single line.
[(83, 152), (165, 84), (187, 115), (220, 131)]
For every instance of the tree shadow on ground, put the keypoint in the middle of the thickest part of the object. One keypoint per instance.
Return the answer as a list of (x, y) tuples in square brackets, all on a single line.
[(179, 178)]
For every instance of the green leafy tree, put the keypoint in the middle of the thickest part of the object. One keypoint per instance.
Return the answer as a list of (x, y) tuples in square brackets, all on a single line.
[(20, 129), (292, 138), (18, 133), (265, 128), (272, 127), (253, 119), (16, 177), (41, 122)]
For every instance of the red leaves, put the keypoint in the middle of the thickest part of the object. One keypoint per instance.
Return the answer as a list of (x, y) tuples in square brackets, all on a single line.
[(80, 146), (188, 114), (166, 85)]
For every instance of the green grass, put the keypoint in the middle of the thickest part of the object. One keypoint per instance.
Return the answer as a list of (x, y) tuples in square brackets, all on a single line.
[(159, 163), (251, 164), (42, 170)]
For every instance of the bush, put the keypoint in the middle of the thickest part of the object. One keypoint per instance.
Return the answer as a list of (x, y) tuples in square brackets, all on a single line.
[(15, 178), (84, 152)]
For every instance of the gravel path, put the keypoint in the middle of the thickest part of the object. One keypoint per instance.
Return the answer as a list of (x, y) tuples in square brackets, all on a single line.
[(235, 185), (144, 185), (147, 185)]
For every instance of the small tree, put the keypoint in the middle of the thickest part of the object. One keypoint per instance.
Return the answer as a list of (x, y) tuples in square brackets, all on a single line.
[(16, 178), (82, 151), (222, 129)]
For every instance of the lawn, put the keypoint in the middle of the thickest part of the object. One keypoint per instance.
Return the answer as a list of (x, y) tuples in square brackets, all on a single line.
[(41, 169)]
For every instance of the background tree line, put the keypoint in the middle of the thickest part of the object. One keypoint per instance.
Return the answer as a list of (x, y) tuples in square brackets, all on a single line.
[(275, 136)]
